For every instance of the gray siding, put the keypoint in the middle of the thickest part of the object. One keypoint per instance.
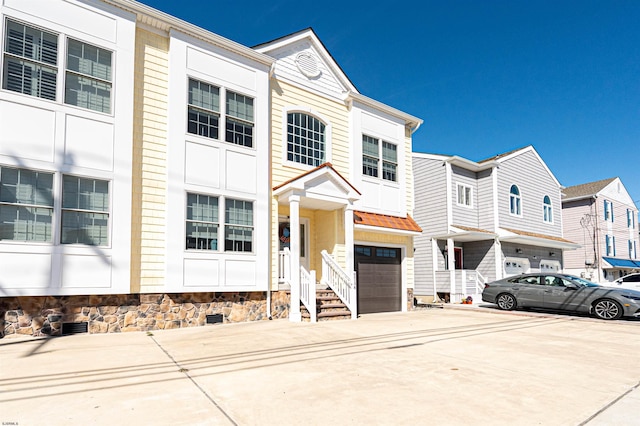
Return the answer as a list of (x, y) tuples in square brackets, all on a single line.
[(534, 182), (485, 200), (480, 255), (431, 214), (462, 214)]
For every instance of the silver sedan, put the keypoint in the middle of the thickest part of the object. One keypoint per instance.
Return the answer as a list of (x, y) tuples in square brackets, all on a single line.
[(562, 292)]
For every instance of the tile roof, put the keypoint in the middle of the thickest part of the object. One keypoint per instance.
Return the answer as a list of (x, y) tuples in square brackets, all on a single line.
[(586, 189), (386, 221), (533, 234)]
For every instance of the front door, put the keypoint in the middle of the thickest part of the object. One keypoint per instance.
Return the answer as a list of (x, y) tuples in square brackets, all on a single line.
[(457, 256), (284, 238)]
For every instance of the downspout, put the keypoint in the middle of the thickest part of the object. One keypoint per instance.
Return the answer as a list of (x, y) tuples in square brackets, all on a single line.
[(596, 245)]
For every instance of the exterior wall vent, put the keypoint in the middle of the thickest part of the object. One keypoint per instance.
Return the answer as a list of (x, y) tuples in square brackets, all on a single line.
[(307, 64), (69, 328), (214, 319)]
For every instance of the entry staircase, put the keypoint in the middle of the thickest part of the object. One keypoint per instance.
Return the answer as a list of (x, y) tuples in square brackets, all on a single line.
[(328, 307)]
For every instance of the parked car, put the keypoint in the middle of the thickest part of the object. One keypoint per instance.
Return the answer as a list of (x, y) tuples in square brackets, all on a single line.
[(562, 292), (631, 281)]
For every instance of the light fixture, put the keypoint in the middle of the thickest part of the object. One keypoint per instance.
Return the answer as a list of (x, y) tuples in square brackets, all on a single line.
[(518, 250), (552, 253)]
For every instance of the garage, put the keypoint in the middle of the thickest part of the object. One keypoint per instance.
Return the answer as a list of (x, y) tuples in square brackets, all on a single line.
[(379, 279)]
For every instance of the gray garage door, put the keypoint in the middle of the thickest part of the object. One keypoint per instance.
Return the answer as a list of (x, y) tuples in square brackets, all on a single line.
[(379, 276)]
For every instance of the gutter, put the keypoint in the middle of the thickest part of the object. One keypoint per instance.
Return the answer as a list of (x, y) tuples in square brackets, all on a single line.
[(414, 123)]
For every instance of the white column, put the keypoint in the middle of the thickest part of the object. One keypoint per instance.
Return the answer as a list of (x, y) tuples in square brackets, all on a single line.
[(294, 224), (349, 258), (497, 246), (451, 265), (434, 267)]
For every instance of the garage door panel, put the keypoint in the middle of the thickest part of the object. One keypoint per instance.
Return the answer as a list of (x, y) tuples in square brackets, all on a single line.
[(379, 281)]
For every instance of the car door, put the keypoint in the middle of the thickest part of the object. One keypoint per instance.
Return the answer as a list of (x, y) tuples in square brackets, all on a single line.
[(561, 294), (630, 281), (528, 291)]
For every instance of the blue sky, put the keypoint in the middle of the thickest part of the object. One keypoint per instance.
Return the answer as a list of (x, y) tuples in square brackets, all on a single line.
[(486, 76)]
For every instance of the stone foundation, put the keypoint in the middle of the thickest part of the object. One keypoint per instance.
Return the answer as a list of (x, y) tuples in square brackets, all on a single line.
[(44, 315)]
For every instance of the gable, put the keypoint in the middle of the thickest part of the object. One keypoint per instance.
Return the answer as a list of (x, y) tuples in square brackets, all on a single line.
[(527, 160), (303, 60)]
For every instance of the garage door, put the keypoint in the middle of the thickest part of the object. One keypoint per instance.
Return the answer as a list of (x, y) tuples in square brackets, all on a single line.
[(379, 277)]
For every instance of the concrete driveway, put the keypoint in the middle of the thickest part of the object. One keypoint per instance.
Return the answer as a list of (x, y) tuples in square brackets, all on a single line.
[(435, 366)]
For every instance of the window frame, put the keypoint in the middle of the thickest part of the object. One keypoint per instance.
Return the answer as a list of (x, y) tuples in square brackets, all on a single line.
[(608, 211), (631, 222), (93, 78), (82, 211), (34, 205), (385, 166), (547, 210), (247, 138), (239, 226), (468, 198), (515, 201), (610, 245), (208, 247), (287, 142)]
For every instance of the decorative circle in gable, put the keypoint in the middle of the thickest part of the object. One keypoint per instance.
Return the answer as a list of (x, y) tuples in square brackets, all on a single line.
[(307, 64)]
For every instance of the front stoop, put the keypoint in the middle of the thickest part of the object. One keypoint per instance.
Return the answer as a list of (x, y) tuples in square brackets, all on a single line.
[(328, 307)]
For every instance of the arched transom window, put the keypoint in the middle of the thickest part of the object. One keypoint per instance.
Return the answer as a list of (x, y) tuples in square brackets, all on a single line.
[(547, 209), (515, 205), (306, 139)]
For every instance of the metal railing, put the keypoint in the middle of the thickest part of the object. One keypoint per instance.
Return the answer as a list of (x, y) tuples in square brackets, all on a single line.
[(340, 282)]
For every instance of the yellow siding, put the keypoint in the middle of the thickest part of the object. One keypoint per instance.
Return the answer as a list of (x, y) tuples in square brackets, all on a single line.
[(285, 95), (149, 162)]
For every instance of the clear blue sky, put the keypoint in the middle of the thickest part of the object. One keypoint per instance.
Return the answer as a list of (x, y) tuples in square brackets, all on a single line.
[(486, 76)]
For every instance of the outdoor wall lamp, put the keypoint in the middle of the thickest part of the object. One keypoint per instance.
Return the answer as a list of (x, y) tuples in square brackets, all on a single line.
[(552, 253), (518, 250)]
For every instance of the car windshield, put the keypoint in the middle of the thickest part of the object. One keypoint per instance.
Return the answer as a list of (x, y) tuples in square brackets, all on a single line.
[(581, 281)]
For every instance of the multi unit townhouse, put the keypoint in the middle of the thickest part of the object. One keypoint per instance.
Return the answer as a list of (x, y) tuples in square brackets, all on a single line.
[(156, 175), (602, 217), (483, 221)]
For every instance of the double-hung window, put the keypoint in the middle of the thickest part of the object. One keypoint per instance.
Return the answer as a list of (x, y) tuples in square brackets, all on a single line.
[(26, 205), (88, 76), (30, 61), (610, 245), (515, 206), (374, 150), (306, 142), (547, 210), (632, 249), (239, 119), (238, 225), (85, 211), (204, 109), (464, 195), (202, 222), (608, 211), (631, 222)]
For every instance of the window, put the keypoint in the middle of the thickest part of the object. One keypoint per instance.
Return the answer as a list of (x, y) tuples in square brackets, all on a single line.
[(204, 109), (464, 195), (239, 119), (370, 156), (202, 222), (514, 201), (516, 265), (85, 211), (372, 152), (631, 223), (88, 77), (238, 225), (547, 210), (608, 211), (632, 249), (305, 139), (26, 205), (610, 245), (30, 61)]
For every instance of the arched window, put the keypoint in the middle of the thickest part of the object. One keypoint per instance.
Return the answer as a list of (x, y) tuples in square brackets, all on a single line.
[(547, 210), (515, 206), (306, 140)]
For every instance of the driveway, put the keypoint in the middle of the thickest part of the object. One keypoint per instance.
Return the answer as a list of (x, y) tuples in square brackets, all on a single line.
[(434, 366)]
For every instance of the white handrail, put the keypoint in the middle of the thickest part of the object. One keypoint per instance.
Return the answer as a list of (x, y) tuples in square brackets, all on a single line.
[(308, 291), (284, 266), (340, 282)]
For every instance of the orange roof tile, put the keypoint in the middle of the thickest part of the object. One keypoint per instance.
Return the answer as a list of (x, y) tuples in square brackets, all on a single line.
[(386, 221)]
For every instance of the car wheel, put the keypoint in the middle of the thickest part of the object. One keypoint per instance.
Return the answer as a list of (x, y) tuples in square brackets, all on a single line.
[(607, 309), (506, 301)]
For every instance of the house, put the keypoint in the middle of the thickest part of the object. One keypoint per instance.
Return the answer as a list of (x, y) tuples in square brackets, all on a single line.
[(602, 217), (483, 221), (163, 169), (341, 184)]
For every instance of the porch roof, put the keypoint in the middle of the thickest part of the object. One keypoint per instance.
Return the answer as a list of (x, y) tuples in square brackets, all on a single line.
[(534, 239), (466, 233), (396, 224)]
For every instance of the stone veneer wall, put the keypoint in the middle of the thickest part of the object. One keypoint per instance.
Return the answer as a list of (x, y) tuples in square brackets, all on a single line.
[(44, 315)]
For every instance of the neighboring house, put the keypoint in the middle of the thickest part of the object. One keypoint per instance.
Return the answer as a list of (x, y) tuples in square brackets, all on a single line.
[(603, 218), (483, 221), (147, 167), (342, 180)]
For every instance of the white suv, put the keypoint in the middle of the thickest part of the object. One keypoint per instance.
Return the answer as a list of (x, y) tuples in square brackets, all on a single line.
[(631, 281)]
